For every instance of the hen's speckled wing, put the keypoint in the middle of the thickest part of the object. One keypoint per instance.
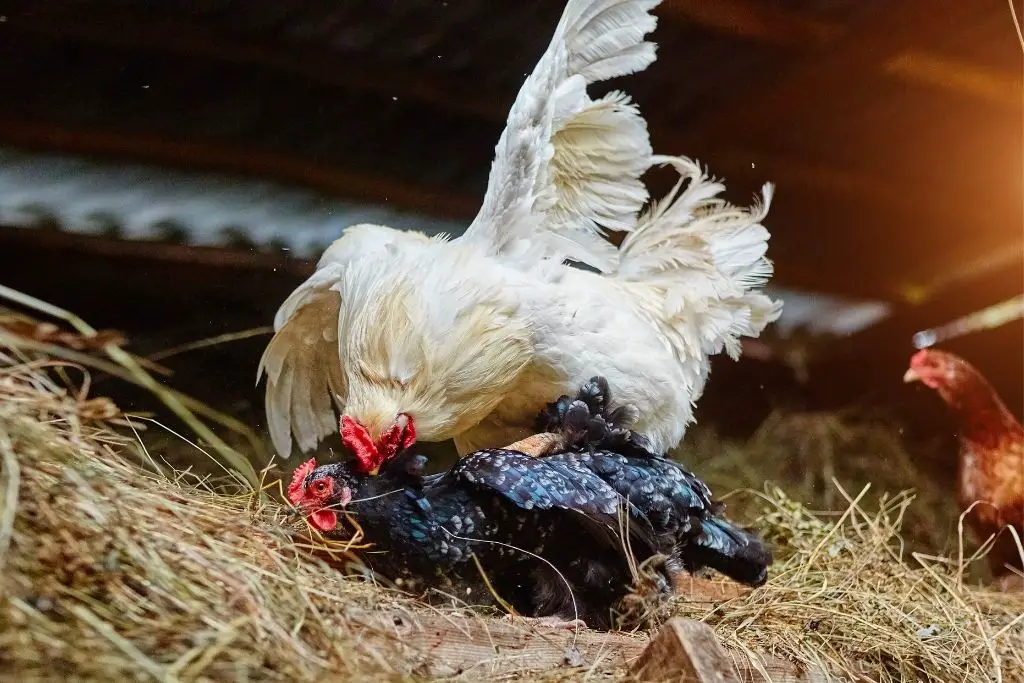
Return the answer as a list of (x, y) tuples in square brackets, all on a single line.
[(539, 483)]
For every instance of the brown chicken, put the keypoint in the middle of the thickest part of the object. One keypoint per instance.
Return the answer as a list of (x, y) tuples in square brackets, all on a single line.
[(991, 456)]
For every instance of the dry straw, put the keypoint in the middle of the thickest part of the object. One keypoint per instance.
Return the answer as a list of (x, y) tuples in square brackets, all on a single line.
[(115, 567)]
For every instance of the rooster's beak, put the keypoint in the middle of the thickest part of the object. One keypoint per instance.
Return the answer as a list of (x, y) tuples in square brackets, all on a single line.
[(911, 375)]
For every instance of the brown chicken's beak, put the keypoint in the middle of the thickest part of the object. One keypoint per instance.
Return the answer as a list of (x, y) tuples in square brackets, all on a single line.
[(911, 375)]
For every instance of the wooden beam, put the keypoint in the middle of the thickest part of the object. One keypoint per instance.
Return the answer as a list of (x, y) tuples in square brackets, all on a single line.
[(896, 332), (17, 239), (855, 58), (1003, 89), (768, 23), (760, 21), (265, 165), (959, 269)]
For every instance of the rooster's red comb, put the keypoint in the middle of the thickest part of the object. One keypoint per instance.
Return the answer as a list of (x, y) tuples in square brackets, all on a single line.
[(357, 439), (295, 493)]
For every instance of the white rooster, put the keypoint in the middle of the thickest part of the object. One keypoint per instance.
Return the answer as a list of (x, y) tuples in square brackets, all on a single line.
[(408, 336)]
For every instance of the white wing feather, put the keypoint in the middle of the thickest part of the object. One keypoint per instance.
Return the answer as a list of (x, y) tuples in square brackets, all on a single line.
[(567, 166), (301, 364)]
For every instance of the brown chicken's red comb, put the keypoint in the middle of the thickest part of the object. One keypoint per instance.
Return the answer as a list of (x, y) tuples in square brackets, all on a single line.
[(919, 356), (295, 492)]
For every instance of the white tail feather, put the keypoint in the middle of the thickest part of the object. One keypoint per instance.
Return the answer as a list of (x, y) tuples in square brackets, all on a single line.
[(709, 259)]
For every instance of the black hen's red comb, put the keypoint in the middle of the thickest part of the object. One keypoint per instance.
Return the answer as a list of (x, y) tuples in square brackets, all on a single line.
[(295, 492)]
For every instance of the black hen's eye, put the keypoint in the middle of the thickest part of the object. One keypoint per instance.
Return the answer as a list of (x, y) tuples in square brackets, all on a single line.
[(319, 486)]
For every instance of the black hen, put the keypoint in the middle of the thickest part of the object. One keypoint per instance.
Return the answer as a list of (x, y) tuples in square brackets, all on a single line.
[(547, 532), (687, 524), (546, 537)]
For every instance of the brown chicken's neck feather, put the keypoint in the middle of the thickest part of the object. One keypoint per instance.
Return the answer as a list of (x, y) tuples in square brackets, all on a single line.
[(984, 419)]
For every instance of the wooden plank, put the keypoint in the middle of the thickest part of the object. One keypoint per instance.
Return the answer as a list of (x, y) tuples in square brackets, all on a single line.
[(433, 645), (486, 647), (685, 651), (854, 59), (754, 668)]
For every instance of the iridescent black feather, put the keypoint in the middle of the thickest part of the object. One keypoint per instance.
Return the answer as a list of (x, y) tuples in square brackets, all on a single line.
[(686, 521), (548, 537)]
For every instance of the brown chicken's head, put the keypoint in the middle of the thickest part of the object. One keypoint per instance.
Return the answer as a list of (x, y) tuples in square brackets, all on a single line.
[(371, 453), (932, 368), (944, 372), (321, 491)]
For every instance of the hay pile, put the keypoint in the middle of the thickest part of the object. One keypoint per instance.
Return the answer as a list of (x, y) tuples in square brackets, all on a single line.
[(804, 453), (111, 572), (849, 597), (115, 568)]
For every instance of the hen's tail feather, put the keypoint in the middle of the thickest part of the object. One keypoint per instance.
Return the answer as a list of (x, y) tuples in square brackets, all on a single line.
[(729, 550), (588, 421)]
